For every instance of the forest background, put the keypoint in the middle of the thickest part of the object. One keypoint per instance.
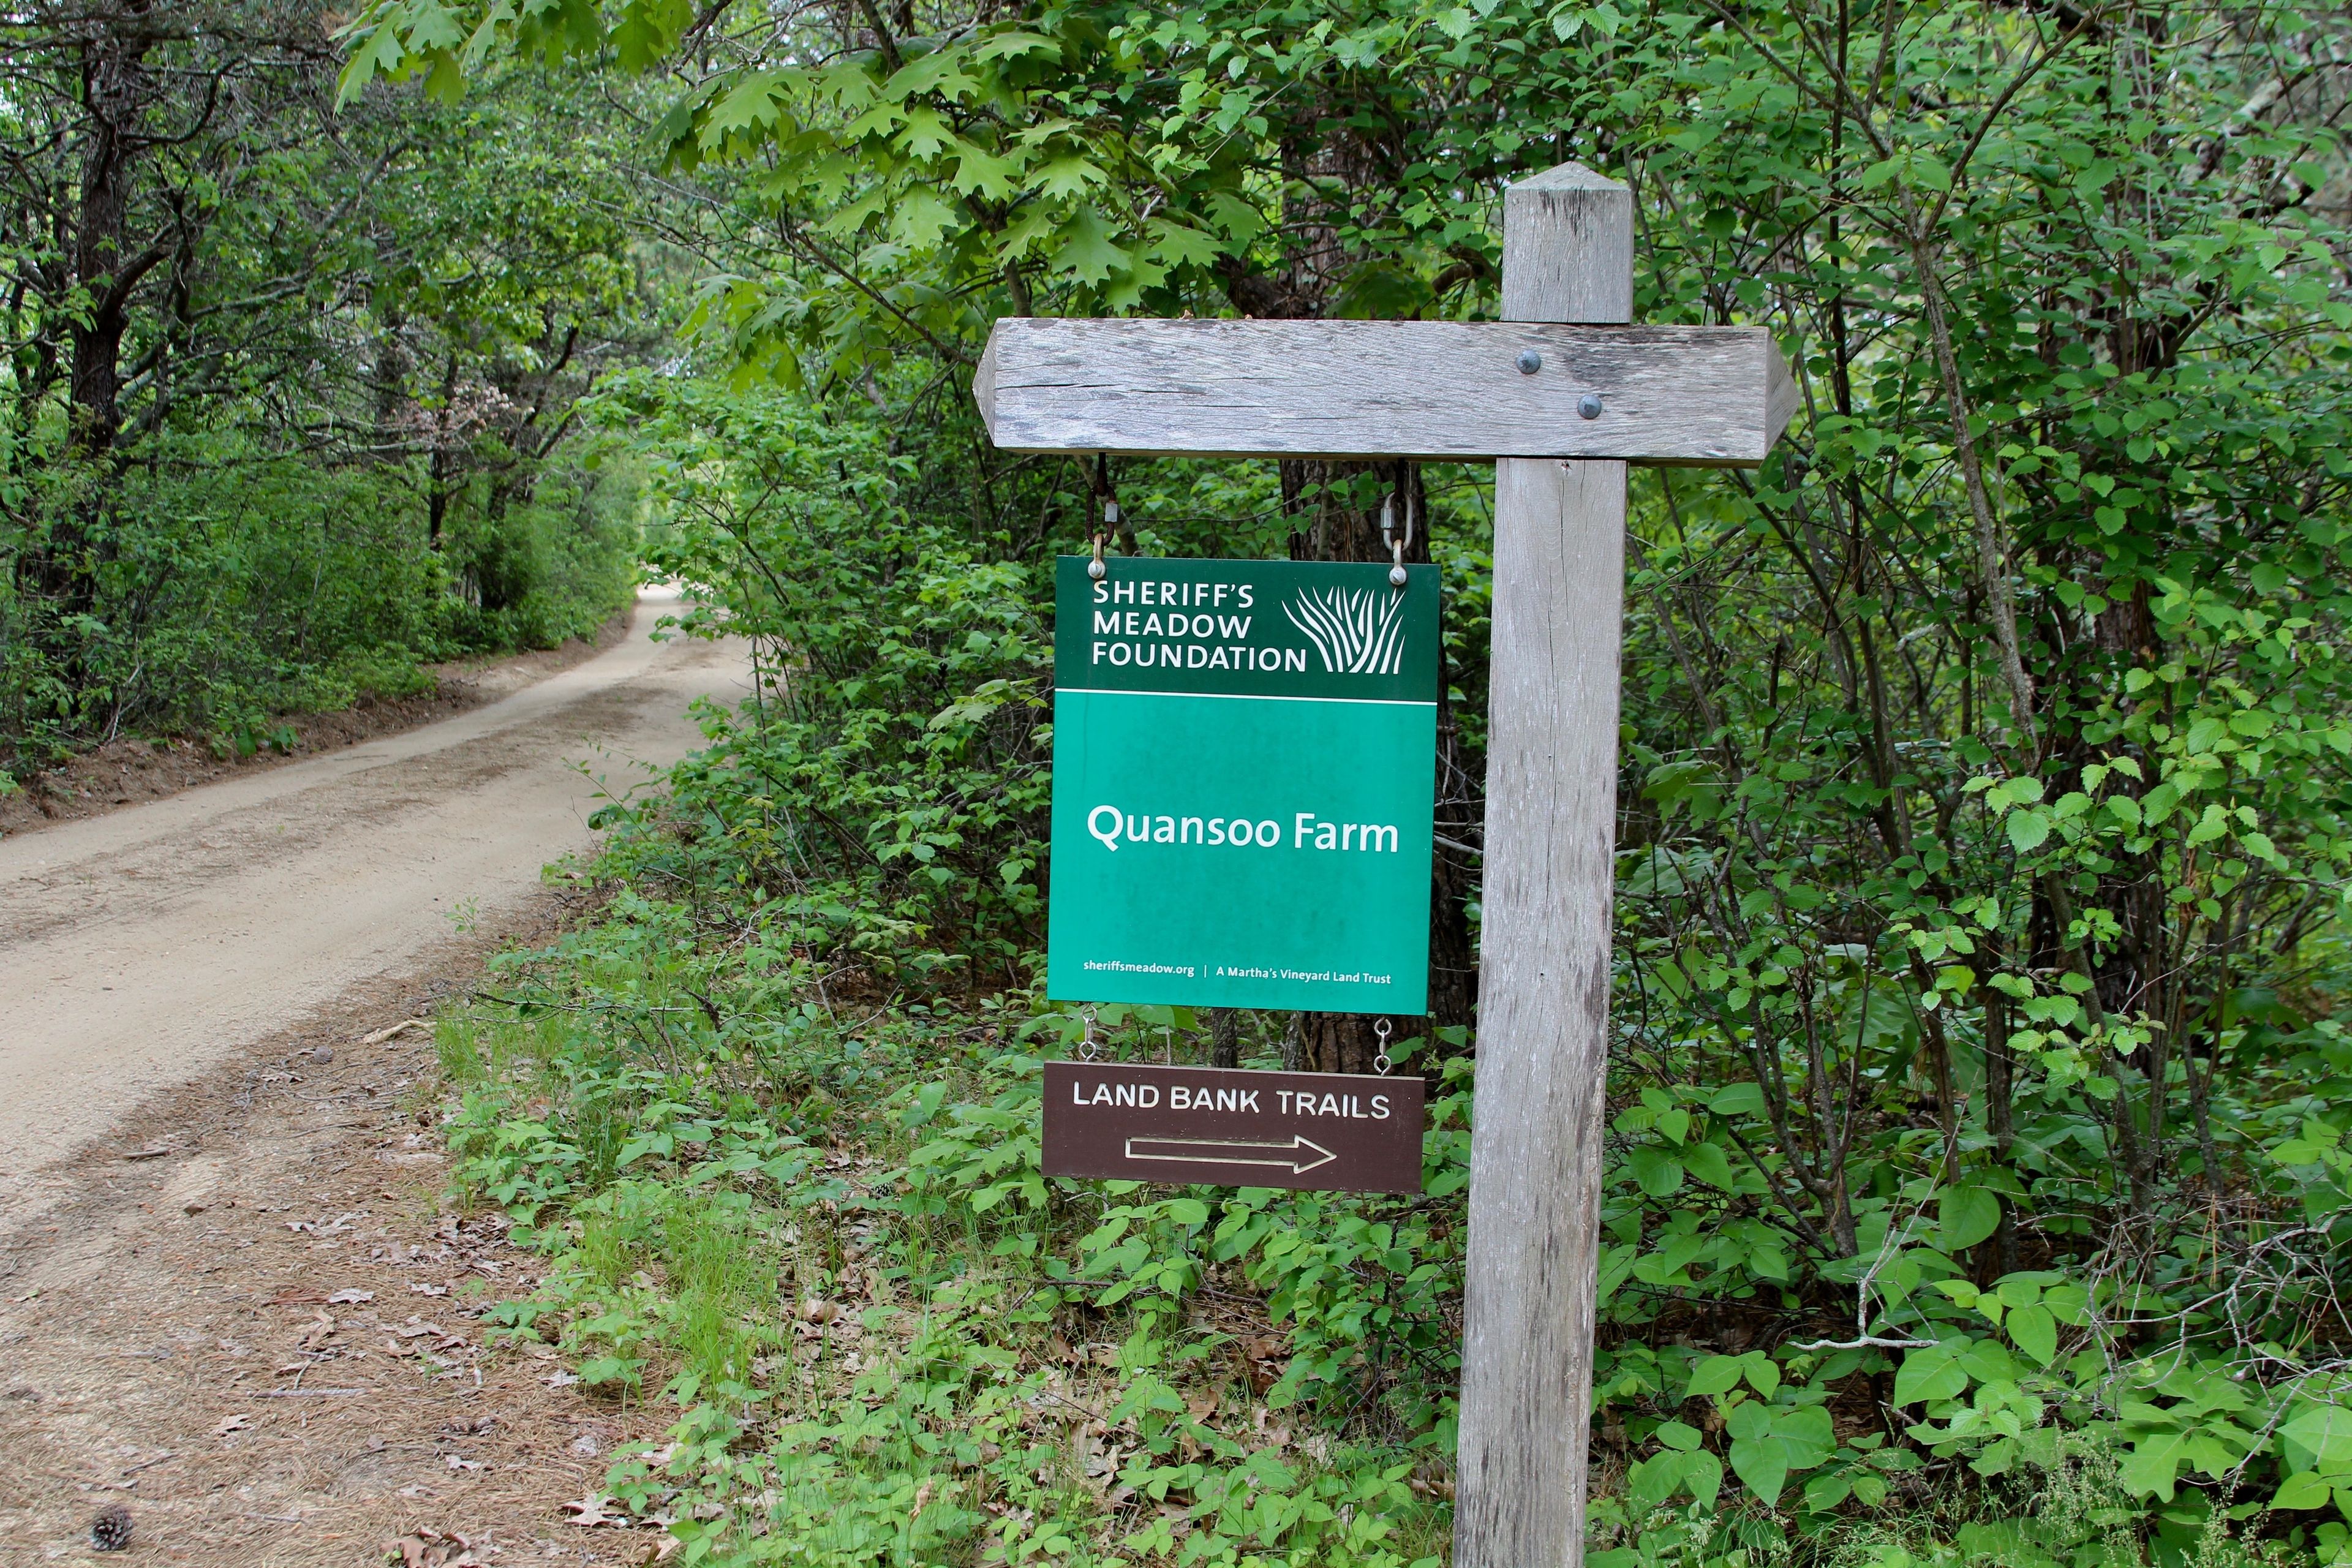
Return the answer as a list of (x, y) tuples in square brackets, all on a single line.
[(286, 389), (1976, 1185)]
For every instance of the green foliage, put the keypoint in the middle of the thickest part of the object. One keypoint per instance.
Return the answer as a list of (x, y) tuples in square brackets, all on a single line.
[(885, 791), (231, 586), (337, 442), (887, 1335), (1974, 1146)]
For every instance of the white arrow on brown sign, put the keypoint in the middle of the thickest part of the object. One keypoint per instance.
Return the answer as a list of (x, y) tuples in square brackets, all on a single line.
[(1298, 1156)]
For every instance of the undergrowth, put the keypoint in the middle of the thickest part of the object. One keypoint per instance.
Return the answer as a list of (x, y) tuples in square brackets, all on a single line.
[(820, 1236), (890, 1339)]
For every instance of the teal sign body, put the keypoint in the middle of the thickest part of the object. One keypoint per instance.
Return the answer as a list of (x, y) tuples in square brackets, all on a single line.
[(1244, 757)]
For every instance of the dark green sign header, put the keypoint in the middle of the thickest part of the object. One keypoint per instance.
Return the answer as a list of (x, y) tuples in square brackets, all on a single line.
[(1247, 629)]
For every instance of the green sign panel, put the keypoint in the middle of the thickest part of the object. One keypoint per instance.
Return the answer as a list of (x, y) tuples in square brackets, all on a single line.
[(1243, 785)]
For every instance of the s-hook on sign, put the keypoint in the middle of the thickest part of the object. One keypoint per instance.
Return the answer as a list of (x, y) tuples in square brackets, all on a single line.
[(1243, 783)]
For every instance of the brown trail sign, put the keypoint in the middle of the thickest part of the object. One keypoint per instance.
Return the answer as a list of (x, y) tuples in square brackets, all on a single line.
[(1562, 394), (1227, 1128)]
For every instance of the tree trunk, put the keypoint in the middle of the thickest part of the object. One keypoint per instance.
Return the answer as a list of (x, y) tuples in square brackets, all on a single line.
[(1224, 1037), (2000, 1099), (390, 375), (115, 89), (63, 572), (445, 435), (1338, 504)]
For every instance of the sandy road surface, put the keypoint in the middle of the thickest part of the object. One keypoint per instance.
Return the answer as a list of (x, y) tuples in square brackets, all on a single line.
[(139, 949), (254, 1318)]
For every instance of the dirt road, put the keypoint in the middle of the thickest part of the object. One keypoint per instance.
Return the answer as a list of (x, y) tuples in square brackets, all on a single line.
[(254, 1321), (234, 1297), (139, 949)]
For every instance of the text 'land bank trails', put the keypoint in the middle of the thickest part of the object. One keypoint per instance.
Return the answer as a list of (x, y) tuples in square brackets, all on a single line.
[(1233, 1128), (1244, 776)]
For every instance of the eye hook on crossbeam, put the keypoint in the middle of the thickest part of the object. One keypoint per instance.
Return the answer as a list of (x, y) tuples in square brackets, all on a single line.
[(1397, 542)]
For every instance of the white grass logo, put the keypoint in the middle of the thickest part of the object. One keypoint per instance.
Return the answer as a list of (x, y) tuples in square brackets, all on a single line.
[(1358, 631)]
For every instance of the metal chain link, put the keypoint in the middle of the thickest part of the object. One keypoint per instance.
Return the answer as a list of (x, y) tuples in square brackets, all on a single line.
[(1095, 568), (1397, 542)]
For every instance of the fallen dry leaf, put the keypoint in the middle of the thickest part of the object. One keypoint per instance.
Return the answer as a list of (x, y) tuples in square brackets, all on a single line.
[(589, 1512), (349, 1298), (425, 1547), (234, 1423)]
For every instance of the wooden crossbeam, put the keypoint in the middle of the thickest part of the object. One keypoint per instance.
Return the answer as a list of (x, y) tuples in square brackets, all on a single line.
[(1703, 396)]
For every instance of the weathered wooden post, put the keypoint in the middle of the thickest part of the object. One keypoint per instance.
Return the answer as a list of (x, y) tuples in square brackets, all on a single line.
[(1560, 394), (1543, 988)]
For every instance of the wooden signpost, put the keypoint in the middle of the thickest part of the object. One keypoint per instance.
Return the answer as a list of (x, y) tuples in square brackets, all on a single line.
[(1562, 394)]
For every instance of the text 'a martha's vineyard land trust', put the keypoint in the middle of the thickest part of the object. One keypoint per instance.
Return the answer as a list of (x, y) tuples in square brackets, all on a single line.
[(1244, 777)]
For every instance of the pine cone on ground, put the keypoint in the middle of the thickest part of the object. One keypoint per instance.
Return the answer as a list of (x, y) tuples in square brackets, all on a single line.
[(110, 1530)]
